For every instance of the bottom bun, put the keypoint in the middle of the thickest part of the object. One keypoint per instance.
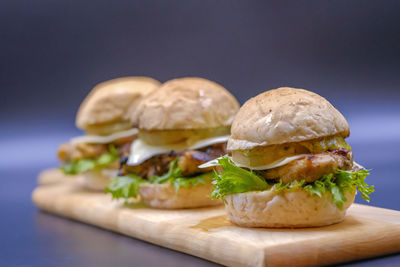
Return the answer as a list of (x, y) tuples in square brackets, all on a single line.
[(285, 209), (164, 196), (97, 180), (54, 176)]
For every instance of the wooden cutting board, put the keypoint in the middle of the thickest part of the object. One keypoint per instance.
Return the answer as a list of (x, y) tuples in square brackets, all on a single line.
[(366, 232)]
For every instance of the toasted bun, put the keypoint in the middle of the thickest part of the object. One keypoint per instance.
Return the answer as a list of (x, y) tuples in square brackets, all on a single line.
[(96, 180), (287, 209), (164, 196), (285, 115), (54, 176), (109, 105), (186, 103)]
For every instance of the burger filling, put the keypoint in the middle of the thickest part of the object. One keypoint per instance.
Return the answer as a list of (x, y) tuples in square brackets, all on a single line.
[(79, 157), (187, 161), (318, 167), (311, 168), (175, 159)]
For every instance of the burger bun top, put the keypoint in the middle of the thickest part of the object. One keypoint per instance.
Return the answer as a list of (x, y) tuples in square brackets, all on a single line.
[(285, 115), (108, 106), (186, 103)]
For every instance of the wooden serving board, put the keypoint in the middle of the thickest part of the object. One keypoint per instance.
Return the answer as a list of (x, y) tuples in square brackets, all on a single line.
[(366, 232)]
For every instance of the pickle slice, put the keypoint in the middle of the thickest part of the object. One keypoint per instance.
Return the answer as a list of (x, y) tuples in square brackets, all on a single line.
[(107, 129), (189, 136), (265, 155)]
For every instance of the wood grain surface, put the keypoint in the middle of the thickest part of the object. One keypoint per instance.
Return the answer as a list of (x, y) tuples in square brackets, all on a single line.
[(207, 233)]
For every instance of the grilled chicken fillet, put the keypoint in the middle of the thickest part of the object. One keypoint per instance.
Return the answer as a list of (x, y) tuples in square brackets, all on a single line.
[(72, 152), (188, 161), (312, 168)]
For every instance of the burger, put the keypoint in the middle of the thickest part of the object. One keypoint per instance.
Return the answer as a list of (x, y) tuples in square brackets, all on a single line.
[(290, 163), (104, 115), (182, 125)]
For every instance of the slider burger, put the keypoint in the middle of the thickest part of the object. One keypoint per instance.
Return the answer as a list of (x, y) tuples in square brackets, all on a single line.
[(182, 125), (105, 117), (290, 164)]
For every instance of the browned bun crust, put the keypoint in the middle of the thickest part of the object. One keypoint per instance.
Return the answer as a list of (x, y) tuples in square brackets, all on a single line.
[(186, 103), (285, 115), (109, 105), (164, 196), (96, 180), (286, 209)]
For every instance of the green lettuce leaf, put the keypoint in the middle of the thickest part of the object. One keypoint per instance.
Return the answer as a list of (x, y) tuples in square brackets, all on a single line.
[(191, 181), (339, 182), (280, 186), (173, 173), (128, 186), (347, 179), (124, 186), (84, 165), (233, 180), (328, 183), (175, 177)]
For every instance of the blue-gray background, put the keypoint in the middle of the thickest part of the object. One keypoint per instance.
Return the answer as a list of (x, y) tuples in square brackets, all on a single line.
[(53, 52)]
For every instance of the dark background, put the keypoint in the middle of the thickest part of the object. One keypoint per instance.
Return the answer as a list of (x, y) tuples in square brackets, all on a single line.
[(53, 52)]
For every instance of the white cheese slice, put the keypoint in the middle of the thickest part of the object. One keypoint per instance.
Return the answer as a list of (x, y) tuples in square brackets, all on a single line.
[(281, 162), (211, 163), (361, 167), (96, 139), (277, 163), (140, 151), (210, 141)]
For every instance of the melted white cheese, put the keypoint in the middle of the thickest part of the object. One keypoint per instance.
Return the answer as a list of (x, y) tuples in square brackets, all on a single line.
[(140, 151), (277, 163), (359, 165), (96, 139)]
